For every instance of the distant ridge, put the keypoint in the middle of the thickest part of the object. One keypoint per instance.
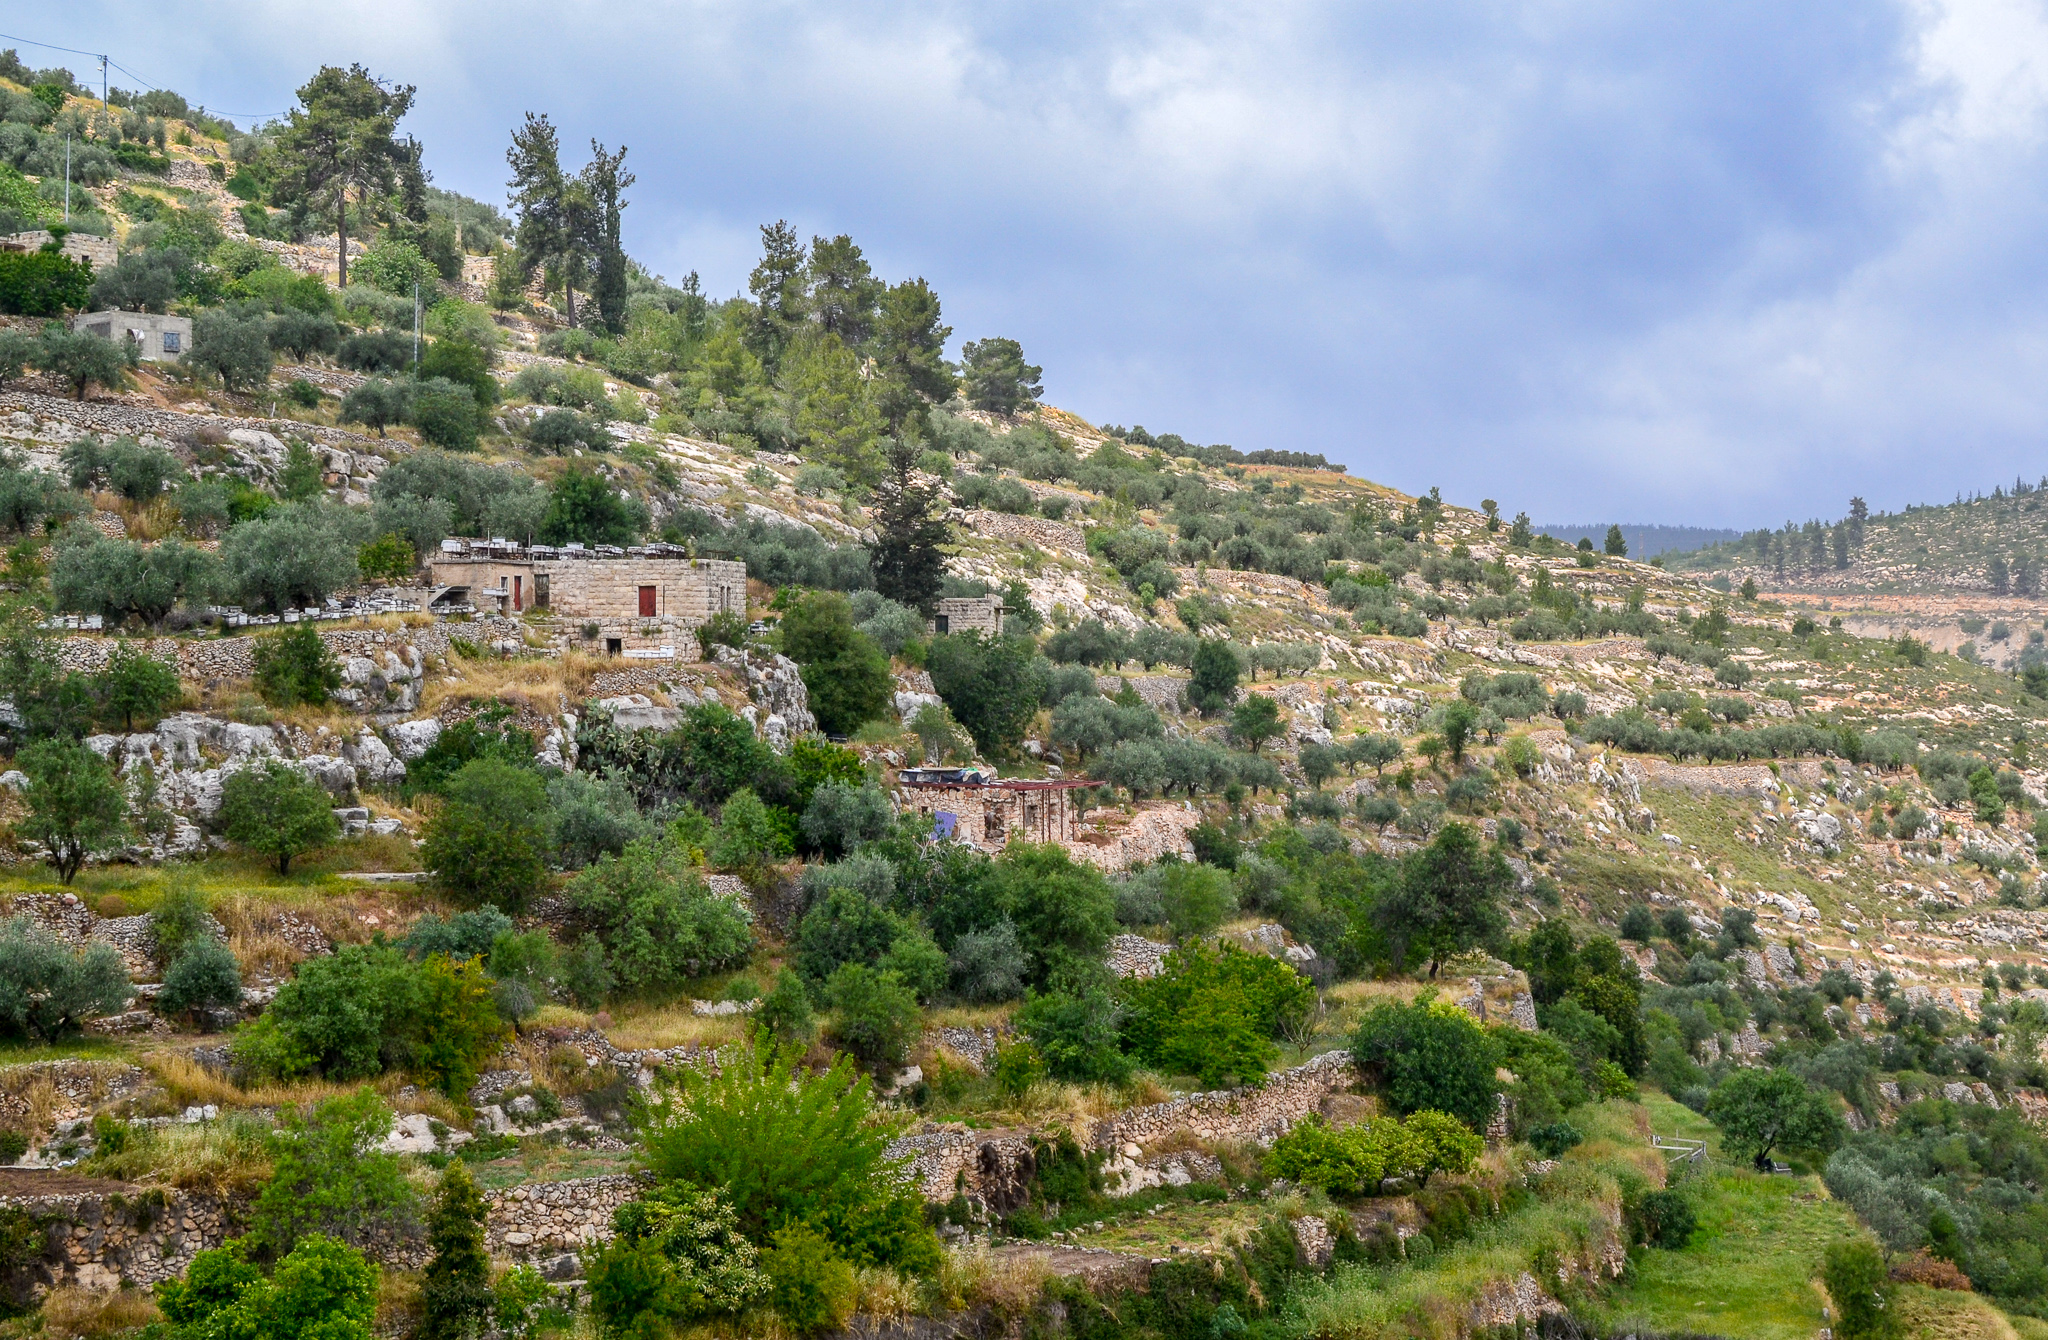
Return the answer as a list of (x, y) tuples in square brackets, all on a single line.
[(1644, 541)]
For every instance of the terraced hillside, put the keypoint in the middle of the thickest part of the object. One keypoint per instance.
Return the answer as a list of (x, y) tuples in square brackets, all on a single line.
[(503, 960)]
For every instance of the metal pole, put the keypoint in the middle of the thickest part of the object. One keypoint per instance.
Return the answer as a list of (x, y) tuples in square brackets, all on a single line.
[(105, 106)]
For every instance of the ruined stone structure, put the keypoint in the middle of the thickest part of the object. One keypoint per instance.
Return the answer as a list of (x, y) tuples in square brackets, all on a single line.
[(99, 252), (968, 614), (645, 601), (969, 806), (158, 339)]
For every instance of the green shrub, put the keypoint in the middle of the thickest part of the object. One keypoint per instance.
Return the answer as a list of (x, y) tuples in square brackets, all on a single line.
[(791, 1146), (204, 976), (1553, 1140), (1663, 1219), (446, 414), (678, 1256), (1425, 1056), (42, 283), (812, 1287), (785, 1014), (875, 1014), (330, 1178), (48, 989), (1214, 1012), (490, 840), (294, 666), (455, 1291), (1860, 1285), (274, 809), (1077, 1033), (321, 1290), (658, 922)]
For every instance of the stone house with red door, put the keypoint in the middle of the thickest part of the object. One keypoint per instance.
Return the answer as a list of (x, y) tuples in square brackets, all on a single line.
[(643, 603)]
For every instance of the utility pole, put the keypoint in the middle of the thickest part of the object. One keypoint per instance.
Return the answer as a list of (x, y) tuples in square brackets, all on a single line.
[(105, 106)]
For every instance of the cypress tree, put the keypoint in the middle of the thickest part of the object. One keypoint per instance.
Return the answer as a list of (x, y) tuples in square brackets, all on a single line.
[(455, 1297), (910, 527)]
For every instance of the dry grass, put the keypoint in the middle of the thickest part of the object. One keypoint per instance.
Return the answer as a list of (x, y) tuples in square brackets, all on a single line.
[(970, 1016), (886, 1296), (38, 1092), (675, 1026), (74, 1313), (186, 1083), (222, 1158), (975, 1276), (543, 684)]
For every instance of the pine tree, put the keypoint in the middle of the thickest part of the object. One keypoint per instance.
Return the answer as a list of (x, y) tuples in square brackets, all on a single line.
[(910, 528), (338, 151), (455, 1297), (605, 180), (1616, 545)]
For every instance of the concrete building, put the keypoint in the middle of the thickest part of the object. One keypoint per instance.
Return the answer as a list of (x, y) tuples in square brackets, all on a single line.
[(971, 806), (162, 339), (641, 603), (968, 614), (100, 251)]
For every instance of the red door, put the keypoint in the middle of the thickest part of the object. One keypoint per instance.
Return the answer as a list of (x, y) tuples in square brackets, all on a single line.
[(519, 593), (647, 602)]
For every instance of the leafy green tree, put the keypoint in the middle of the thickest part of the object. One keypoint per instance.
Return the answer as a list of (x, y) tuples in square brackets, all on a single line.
[(76, 805), (204, 976), (446, 413), (233, 347), (997, 378), (322, 1290), (294, 666), (677, 1255), (48, 989), (1447, 899), (604, 180), (812, 1287), (582, 506), (1460, 717), (1213, 685), (1076, 1032), (781, 302), (276, 810), (455, 1293), (134, 683), (17, 355), (835, 415), (339, 153), (120, 579), (1860, 1284), (1195, 898), (84, 359), (909, 346), (389, 558), (749, 839), (993, 686), (1616, 545), (1760, 1110), (463, 363), (294, 555), (844, 671), (300, 477), (1064, 910), (1256, 720), (875, 1014), (911, 531), (378, 403), (658, 922), (43, 283), (785, 1013), (331, 1179), (1429, 1056), (789, 1146), (490, 839), (1214, 1013)]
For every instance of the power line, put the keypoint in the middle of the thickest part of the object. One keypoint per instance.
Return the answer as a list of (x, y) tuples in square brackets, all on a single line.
[(100, 56)]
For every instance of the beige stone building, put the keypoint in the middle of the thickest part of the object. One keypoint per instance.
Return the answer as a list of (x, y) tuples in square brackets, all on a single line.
[(160, 339), (973, 807), (99, 251), (968, 614), (643, 603)]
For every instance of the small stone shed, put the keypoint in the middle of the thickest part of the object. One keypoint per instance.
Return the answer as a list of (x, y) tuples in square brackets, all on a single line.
[(644, 602), (99, 251), (968, 614), (970, 805), (162, 339)]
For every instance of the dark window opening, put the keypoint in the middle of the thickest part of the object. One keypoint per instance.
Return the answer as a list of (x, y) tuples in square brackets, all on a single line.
[(614, 646)]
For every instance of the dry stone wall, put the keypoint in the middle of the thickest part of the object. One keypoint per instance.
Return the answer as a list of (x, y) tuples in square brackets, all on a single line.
[(103, 1234), (547, 1218)]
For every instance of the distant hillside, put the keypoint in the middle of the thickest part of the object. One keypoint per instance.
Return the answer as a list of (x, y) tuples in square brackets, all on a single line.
[(1994, 544), (1645, 541)]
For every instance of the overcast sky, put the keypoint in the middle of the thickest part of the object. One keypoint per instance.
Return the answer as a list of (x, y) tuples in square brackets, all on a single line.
[(1717, 264)]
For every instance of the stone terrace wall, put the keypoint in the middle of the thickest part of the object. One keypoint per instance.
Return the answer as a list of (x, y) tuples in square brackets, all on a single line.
[(116, 416), (213, 659), (546, 1218), (993, 1164), (99, 1234), (1262, 1113)]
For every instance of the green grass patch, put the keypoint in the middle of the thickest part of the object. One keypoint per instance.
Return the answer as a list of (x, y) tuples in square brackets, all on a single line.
[(1750, 1269)]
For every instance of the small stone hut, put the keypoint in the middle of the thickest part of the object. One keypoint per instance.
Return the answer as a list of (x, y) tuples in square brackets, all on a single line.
[(972, 806), (968, 614), (643, 602), (161, 339)]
